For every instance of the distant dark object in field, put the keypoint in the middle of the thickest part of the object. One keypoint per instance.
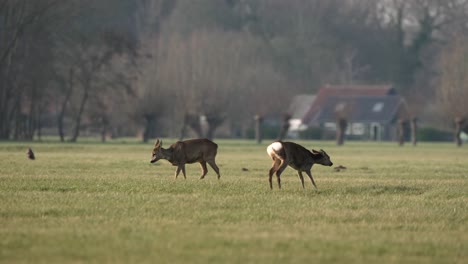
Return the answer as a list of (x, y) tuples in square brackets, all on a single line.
[(245, 169), (339, 168), (30, 154)]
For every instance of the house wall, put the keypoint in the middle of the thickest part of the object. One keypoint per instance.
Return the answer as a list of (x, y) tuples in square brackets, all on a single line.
[(373, 131)]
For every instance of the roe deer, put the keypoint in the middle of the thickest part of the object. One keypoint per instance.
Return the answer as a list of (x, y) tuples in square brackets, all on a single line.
[(297, 157), (187, 152)]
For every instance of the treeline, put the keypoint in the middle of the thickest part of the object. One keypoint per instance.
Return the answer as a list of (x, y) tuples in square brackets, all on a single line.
[(158, 67)]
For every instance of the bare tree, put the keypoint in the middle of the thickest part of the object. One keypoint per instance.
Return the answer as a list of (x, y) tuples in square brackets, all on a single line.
[(22, 34), (350, 71), (192, 121), (453, 83), (203, 68), (90, 59), (153, 97), (418, 26), (65, 86)]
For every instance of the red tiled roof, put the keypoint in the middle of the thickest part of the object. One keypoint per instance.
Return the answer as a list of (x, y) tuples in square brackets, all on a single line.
[(344, 90)]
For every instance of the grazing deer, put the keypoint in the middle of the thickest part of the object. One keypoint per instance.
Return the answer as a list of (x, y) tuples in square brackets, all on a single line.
[(297, 157), (188, 151)]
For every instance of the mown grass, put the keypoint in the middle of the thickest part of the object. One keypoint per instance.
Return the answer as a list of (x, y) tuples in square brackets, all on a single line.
[(91, 202)]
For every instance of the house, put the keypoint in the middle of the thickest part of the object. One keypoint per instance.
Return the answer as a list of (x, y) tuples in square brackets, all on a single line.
[(310, 118), (370, 110), (368, 117)]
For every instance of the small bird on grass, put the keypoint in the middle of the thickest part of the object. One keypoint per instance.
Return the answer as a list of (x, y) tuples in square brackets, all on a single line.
[(30, 154), (339, 168)]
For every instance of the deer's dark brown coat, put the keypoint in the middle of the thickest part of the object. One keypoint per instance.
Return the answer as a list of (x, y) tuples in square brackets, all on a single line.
[(297, 157), (190, 151)]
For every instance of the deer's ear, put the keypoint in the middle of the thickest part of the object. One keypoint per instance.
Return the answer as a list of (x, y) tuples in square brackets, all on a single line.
[(158, 143)]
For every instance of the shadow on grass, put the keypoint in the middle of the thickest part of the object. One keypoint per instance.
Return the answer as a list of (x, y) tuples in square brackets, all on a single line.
[(57, 189), (376, 190)]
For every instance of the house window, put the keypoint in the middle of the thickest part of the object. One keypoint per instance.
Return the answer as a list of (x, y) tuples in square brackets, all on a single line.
[(340, 107), (357, 129), (330, 126), (378, 107)]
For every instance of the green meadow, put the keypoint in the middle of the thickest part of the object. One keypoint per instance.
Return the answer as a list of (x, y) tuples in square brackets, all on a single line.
[(105, 203)]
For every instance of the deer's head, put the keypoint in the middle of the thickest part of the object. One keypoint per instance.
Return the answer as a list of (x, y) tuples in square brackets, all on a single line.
[(322, 158), (157, 152)]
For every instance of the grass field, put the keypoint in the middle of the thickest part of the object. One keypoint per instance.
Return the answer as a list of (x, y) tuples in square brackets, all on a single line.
[(95, 203)]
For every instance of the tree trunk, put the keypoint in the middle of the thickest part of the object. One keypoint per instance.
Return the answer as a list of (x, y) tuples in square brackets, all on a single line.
[(18, 118), (31, 118), (76, 131), (193, 121), (214, 121), (258, 128), (103, 134), (183, 129), (458, 129), (60, 125), (63, 107), (401, 132), (342, 123), (39, 127), (284, 127), (5, 96), (150, 126), (104, 127), (8, 99), (414, 131)]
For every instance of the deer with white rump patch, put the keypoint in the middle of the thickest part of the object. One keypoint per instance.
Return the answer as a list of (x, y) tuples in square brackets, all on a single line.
[(297, 157), (187, 152)]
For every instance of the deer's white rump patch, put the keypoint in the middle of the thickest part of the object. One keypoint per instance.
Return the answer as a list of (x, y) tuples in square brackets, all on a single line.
[(277, 146), (274, 148)]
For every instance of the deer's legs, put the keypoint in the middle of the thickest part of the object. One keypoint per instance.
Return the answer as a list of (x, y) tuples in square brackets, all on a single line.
[(204, 169), (280, 170), (183, 171), (301, 177), (179, 168), (312, 179), (214, 166), (274, 168)]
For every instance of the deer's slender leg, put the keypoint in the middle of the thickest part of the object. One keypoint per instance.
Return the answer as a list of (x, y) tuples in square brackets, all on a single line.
[(179, 168), (274, 168), (204, 169), (270, 176), (312, 179), (280, 170), (301, 177), (183, 170), (215, 167)]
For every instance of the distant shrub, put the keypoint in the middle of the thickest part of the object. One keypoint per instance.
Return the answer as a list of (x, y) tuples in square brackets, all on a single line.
[(433, 134)]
